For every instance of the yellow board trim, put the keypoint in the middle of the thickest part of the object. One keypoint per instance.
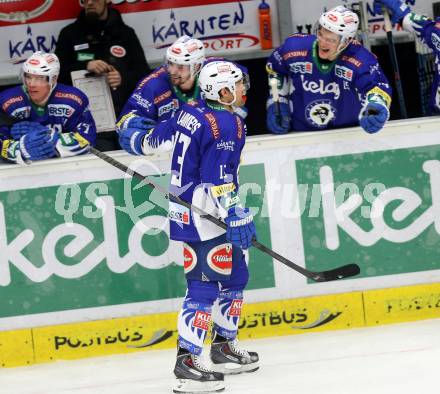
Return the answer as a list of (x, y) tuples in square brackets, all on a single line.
[(402, 304), (265, 319), (296, 316), (16, 348)]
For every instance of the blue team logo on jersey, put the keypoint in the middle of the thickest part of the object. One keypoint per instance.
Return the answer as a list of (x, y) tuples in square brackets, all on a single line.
[(320, 113), (301, 68)]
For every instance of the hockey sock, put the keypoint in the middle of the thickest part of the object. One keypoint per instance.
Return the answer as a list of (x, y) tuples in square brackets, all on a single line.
[(193, 324), (226, 313)]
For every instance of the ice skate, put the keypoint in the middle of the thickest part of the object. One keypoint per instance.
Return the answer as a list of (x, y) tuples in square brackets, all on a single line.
[(193, 377), (229, 359)]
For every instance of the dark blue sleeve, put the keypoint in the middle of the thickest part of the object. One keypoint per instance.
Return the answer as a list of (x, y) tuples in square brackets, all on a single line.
[(142, 100), (275, 63), (370, 79), (82, 122)]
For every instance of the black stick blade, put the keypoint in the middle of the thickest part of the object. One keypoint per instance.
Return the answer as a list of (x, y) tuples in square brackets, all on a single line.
[(338, 273)]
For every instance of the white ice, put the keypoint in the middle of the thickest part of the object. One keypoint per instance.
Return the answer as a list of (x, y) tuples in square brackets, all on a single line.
[(392, 359)]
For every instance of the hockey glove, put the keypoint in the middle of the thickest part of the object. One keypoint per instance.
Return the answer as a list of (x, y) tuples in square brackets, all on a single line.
[(398, 9), (19, 129), (374, 117), (278, 123), (70, 144), (131, 140), (140, 123), (241, 227), (133, 121), (37, 145)]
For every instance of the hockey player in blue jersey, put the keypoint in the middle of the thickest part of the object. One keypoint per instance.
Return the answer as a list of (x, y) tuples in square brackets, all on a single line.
[(208, 140), (160, 94), (327, 80), (163, 91), (53, 120), (427, 30)]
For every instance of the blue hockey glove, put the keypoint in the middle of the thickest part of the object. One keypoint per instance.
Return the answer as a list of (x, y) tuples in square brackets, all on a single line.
[(241, 227), (37, 145), (374, 117), (140, 123), (278, 124), (19, 129), (131, 140), (397, 8)]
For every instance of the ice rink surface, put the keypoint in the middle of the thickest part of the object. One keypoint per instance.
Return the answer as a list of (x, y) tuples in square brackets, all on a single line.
[(392, 359)]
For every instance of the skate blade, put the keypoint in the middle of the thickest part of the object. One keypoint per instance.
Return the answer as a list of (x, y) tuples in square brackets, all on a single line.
[(189, 386), (233, 368)]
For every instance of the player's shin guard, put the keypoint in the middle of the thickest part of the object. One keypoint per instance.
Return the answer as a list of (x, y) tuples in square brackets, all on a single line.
[(192, 376), (193, 324), (226, 313), (225, 354)]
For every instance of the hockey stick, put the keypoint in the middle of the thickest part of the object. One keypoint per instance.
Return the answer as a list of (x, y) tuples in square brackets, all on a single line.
[(323, 276), (276, 97), (342, 272), (394, 63)]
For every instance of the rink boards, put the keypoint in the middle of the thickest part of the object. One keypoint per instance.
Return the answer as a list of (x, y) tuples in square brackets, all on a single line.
[(276, 318), (87, 267)]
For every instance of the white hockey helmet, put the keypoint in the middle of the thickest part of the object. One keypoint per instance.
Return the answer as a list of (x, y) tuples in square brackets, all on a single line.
[(341, 21), (187, 51), (216, 76), (44, 64)]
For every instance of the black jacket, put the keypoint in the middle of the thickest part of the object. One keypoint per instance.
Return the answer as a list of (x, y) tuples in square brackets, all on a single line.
[(112, 41)]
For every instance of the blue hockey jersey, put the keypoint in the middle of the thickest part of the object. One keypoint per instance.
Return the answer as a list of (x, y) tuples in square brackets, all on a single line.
[(326, 96), (157, 99), (429, 32), (204, 166), (66, 112)]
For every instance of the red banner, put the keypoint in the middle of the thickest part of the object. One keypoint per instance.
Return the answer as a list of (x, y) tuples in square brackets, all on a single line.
[(14, 12), (152, 5)]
